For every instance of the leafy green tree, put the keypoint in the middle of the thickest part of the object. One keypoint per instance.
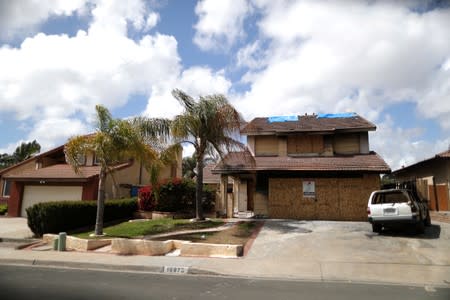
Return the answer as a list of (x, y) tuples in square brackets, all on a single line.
[(114, 141), (211, 125), (22, 152), (26, 150)]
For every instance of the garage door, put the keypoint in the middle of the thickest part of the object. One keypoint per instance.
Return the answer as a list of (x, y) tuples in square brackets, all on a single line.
[(33, 194)]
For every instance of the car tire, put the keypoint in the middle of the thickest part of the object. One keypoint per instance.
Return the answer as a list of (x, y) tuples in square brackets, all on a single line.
[(377, 228), (428, 219), (420, 227)]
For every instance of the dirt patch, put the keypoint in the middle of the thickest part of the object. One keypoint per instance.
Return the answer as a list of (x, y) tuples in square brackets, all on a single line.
[(238, 234)]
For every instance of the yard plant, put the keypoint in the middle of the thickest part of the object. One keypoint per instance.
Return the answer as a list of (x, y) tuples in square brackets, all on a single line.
[(114, 142), (211, 125)]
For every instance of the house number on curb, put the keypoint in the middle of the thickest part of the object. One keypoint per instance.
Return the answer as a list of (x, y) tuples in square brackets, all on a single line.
[(178, 270)]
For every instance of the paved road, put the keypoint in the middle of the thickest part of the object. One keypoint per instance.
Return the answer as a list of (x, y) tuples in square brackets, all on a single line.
[(19, 282)]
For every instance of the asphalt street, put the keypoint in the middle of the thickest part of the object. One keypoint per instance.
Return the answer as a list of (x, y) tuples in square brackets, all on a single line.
[(20, 282)]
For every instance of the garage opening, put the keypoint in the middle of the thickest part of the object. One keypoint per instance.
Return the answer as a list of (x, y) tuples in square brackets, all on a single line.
[(33, 194)]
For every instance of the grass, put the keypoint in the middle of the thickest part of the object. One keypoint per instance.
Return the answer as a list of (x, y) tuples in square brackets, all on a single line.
[(239, 234), (150, 227), (3, 209)]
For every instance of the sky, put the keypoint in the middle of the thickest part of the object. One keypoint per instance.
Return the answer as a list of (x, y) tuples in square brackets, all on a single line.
[(388, 61)]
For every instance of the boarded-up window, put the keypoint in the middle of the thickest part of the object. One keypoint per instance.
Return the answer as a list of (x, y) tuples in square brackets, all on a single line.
[(298, 144), (266, 145), (346, 143)]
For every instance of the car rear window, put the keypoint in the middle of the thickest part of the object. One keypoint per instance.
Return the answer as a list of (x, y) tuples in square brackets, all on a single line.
[(394, 197)]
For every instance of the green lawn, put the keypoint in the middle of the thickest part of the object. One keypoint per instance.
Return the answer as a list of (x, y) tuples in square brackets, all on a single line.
[(142, 228)]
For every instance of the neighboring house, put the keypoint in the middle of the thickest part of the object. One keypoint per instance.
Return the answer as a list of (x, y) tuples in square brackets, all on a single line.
[(304, 167), (48, 177), (432, 176)]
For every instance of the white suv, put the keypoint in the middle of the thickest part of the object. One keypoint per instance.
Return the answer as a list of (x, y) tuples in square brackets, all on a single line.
[(397, 206)]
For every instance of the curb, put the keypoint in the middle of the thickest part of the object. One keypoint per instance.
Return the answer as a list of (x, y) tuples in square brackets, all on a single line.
[(97, 266)]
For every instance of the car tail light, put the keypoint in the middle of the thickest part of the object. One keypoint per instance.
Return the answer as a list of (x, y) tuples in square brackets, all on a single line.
[(368, 210)]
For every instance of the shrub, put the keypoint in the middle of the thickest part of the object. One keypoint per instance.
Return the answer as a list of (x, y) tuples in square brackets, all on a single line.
[(54, 217), (146, 199), (174, 195), (3, 209)]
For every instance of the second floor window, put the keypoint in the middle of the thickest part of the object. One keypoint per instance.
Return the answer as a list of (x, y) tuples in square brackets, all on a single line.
[(302, 144)]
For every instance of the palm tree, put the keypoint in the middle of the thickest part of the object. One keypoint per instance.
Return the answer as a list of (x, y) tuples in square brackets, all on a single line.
[(210, 125), (189, 164), (114, 141), (156, 133)]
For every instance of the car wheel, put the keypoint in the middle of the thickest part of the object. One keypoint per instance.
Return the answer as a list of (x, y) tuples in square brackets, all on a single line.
[(377, 228), (428, 219), (420, 227)]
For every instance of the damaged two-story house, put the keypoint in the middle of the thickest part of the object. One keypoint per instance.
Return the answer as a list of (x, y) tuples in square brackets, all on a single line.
[(303, 167)]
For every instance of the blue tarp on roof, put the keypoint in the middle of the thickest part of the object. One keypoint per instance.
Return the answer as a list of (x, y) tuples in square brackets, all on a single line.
[(282, 119), (340, 115)]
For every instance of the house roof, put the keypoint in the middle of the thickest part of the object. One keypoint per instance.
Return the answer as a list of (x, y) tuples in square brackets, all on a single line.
[(36, 157), (309, 123), (442, 155), (238, 162), (61, 172)]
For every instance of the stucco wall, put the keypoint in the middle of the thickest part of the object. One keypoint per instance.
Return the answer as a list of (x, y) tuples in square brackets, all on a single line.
[(31, 165), (136, 174), (335, 198)]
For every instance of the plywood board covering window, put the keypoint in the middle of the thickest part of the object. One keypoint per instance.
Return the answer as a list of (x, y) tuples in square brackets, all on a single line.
[(346, 143), (266, 145), (298, 144)]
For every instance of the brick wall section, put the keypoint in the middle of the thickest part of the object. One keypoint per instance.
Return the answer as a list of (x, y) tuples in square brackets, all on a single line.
[(343, 199)]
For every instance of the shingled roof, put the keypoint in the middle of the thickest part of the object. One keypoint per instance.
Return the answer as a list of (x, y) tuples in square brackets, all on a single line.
[(61, 172), (308, 123), (238, 162)]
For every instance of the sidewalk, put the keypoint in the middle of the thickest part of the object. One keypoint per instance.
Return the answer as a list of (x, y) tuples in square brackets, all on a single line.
[(306, 259)]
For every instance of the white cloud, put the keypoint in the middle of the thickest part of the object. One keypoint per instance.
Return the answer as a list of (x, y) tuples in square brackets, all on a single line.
[(195, 81), (53, 132), (321, 52), (220, 23), (21, 16), (53, 79), (403, 147), (152, 20)]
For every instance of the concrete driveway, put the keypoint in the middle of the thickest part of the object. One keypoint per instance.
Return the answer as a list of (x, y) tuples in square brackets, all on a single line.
[(351, 242), (14, 228)]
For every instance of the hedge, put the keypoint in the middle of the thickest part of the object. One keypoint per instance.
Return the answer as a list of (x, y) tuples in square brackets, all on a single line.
[(61, 216), (174, 195), (3, 209)]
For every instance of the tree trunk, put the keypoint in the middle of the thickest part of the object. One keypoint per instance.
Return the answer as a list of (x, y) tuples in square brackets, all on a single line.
[(100, 202), (199, 190)]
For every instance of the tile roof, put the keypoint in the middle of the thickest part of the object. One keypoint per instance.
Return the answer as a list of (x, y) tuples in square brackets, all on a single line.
[(61, 172), (235, 162), (36, 157), (307, 123)]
